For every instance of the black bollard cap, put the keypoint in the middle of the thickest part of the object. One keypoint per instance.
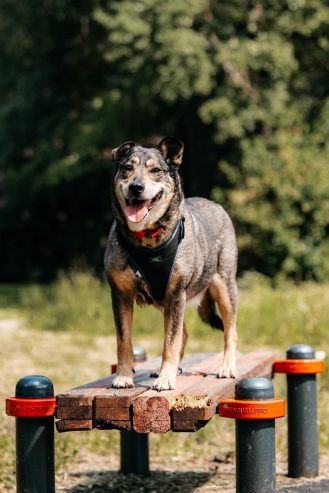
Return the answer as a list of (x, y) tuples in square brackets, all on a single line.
[(139, 354), (300, 351), (254, 388), (34, 387)]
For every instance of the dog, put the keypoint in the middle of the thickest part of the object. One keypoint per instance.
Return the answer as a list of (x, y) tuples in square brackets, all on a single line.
[(168, 251)]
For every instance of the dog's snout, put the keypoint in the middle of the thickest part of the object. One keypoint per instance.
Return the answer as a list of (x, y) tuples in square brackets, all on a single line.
[(136, 187)]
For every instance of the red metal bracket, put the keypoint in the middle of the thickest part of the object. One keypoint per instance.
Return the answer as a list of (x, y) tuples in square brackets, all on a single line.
[(298, 366), (31, 408), (258, 409)]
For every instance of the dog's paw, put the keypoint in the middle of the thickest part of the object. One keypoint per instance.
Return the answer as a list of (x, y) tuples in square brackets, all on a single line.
[(164, 383), (122, 382), (155, 373), (227, 372)]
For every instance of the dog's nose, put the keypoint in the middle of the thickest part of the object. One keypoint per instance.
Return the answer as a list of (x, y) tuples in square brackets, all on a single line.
[(136, 187)]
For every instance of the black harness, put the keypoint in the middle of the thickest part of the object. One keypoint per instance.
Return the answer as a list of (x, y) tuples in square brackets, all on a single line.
[(156, 264)]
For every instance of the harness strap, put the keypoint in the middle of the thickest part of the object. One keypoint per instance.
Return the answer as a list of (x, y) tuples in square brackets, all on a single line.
[(156, 264), (148, 233)]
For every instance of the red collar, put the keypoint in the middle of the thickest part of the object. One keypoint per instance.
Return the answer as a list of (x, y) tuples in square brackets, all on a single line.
[(148, 233)]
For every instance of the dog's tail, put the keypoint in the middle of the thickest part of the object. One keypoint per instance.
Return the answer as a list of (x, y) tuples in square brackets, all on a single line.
[(208, 314)]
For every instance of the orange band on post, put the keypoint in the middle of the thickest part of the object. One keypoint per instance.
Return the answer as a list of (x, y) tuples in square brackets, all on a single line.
[(260, 409), (31, 408), (298, 366)]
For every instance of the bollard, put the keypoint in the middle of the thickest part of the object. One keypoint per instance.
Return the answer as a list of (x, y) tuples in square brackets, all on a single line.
[(254, 410), (134, 451), (301, 368), (34, 407)]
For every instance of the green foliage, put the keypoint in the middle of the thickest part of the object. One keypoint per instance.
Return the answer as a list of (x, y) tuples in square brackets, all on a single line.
[(68, 304), (244, 84), (280, 204)]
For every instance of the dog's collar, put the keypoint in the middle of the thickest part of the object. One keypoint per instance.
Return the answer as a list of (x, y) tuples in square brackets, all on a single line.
[(147, 233)]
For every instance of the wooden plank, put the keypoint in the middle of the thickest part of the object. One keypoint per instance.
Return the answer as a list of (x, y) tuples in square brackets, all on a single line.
[(114, 425), (79, 402), (109, 414), (194, 413), (151, 414), (84, 394), (142, 381), (187, 408), (205, 391), (74, 412), (74, 425), (189, 425), (151, 409), (252, 364), (108, 407), (100, 401)]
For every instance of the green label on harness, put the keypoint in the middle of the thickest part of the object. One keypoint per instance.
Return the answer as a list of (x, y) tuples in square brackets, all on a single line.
[(155, 259)]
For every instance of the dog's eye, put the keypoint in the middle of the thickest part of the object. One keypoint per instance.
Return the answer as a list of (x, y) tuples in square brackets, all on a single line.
[(156, 170), (127, 167)]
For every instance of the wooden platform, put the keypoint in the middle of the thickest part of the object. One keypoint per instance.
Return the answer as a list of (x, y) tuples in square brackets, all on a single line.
[(187, 408)]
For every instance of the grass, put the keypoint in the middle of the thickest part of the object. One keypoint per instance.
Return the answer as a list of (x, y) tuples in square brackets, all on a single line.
[(68, 335)]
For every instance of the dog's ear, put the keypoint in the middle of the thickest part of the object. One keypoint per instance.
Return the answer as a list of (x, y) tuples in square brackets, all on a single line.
[(121, 152), (172, 150)]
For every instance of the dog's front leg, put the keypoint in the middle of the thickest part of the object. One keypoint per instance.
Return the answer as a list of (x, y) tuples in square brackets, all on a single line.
[(122, 304), (174, 309)]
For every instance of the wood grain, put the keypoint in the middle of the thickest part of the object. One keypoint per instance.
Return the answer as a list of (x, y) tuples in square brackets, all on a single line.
[(187, 408), (74, 425)]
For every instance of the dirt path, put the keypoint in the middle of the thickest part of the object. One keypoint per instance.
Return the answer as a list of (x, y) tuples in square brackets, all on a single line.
[(93, 474), (11, 324)]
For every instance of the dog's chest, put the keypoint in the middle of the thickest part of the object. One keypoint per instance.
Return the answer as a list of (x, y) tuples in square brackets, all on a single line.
[(143, 293), (153, 267)]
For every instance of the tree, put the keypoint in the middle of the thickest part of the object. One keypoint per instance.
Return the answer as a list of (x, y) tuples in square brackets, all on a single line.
[(243, 83)]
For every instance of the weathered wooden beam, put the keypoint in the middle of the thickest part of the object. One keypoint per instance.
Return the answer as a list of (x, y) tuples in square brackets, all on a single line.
[(107, 406), (74, 425), (200, 392), (188, 407), (151, 410), (252, 364)]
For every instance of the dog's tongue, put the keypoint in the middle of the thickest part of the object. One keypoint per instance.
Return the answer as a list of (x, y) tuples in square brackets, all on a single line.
[(136, 213)]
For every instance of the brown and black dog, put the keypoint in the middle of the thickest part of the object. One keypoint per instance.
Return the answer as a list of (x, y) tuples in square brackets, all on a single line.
[(168, 251)]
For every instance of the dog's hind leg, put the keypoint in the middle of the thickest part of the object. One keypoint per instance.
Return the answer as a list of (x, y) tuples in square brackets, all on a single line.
[(207, 312), (225, 293), (184, 341)]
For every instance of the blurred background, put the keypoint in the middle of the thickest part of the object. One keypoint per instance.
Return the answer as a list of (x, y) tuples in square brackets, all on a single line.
[(243, 83)]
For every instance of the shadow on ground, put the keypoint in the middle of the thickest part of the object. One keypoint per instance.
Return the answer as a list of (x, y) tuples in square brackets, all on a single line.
[(156, 482), (305, 486)]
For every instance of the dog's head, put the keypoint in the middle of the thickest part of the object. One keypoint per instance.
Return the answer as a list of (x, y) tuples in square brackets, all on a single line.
[(146, 181)]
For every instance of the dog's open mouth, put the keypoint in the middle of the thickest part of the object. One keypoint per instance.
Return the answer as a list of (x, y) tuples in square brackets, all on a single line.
[(136, 209)]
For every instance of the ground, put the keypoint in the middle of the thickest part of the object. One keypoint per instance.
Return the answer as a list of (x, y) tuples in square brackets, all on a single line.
[(181, 474)]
